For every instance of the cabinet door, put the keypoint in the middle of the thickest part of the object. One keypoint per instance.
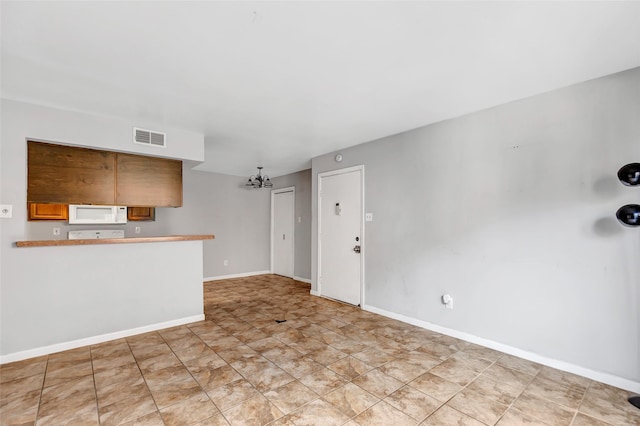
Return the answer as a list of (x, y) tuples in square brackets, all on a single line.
[(39, 211), (148, 181), (69, 175), (141, 214)]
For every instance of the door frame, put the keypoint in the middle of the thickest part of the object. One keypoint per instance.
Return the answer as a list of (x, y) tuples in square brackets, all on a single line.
[(274, 192), (322, 175)]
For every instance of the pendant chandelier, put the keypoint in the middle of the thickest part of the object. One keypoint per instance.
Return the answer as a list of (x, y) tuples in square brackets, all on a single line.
[(259, 181)]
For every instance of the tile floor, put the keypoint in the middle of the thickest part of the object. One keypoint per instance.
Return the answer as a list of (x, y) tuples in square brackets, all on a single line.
[(328, 364)]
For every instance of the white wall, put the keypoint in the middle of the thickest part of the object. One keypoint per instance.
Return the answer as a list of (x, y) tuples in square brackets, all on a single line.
[(512, 211)]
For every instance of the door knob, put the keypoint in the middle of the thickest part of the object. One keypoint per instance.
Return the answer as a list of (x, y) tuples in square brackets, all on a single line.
[(356, 249)]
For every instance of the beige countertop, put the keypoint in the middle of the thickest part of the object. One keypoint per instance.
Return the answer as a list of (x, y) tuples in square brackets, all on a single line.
[(169, 238)]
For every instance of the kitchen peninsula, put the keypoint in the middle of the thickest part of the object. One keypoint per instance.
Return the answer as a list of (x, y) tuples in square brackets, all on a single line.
[(83, 292)]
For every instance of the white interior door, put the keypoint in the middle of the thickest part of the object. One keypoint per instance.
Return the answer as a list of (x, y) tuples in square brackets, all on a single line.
[(282, 226), (340, 227)]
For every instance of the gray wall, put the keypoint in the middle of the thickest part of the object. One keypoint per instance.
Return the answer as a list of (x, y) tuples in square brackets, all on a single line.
[(511, 210), (302, 182)]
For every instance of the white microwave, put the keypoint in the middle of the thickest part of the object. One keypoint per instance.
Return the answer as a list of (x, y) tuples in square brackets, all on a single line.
[(90, 214)]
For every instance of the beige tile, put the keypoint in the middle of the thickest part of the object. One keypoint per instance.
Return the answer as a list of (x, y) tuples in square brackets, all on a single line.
[(300, 366), (232, 394), (436, 350), (502, 392), (564, 378), (124, 374), (127, 410), (350, 367), (455, 371), (519, 364), (446, 415), (134, 387), (254, 411), (290, 396), (145, 352), (75, 398), (551, 391), (513, 378), (208, 362), (322, 381), (20, 409), (326, 355), (194, 409), (211, 379), (384, 414), (195, 351), (107, 362), (268, 377), (151, 419), (543, 410), (378, 383), (375, 356), (20, 387), (514, 417), (413, 402), (584, 420), (222, 343), (478, 406), (318, 412), (216, 420), (265, 344), (351, 399), (609, 404), (482, 352), (403, 370), (144, 340), (435, 386)]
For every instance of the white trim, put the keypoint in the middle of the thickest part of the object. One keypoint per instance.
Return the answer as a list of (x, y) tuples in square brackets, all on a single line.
[(274, 192), (609, 379), (304, 280), (359, 168), (314, 292), (58, 347), (241, 275)]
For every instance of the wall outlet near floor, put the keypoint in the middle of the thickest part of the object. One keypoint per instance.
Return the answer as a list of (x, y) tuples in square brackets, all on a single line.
[(447, 300), (137, 229), (225, 262), (56, 231)]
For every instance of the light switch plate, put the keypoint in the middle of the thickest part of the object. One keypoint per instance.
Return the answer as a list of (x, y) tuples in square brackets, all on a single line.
[(368, 217), (6, 211)]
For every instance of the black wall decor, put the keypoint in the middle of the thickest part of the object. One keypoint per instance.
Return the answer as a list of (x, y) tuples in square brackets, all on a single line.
[(630, 174)]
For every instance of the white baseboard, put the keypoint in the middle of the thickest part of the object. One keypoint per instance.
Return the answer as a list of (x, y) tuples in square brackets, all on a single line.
[(241, 275), (304, 280), (314, 292), (609, 379), (58, 347)]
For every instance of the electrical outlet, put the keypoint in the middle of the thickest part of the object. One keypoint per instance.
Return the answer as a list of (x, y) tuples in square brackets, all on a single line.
[(137, 229), (225, 262), (56, 231), (368, 217), (6, 211)]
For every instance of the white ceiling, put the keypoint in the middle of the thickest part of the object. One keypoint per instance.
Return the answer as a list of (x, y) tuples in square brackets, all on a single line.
[(277, 83)]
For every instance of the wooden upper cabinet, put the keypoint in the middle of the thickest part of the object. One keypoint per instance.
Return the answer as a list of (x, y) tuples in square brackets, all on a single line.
[(69, 175), (148, 181), (59, 174)]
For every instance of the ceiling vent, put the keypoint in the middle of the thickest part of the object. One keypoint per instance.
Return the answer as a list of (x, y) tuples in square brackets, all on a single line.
[(149, 137)]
